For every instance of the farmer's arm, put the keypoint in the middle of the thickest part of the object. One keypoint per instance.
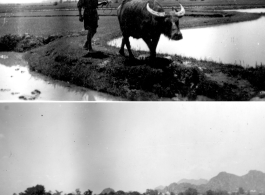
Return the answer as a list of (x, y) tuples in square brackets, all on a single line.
[(79, 6)]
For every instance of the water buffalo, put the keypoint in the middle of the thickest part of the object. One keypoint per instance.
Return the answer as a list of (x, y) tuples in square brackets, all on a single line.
[(147, 19)]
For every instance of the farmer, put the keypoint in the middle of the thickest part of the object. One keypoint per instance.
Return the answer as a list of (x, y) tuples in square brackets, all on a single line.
[(90, 18)]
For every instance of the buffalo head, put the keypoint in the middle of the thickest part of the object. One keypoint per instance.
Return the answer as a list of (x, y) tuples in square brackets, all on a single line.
[(171, 21)]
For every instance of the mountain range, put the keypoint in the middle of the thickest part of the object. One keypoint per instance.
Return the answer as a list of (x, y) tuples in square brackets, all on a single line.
[(252, 181)]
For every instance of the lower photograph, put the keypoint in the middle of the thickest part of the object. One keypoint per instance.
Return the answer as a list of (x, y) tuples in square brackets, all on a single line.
[(132, 149)]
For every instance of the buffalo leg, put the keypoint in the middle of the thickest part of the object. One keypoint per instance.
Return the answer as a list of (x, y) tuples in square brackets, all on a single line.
[(122, 47), (127, 42), (152, 47)]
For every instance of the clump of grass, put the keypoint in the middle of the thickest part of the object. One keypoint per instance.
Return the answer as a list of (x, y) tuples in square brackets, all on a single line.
[(256, 76), (26, 42), (9, 42)]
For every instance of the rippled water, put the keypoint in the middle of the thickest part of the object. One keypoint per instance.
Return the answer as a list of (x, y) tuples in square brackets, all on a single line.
[(18, 83), (238, 43)]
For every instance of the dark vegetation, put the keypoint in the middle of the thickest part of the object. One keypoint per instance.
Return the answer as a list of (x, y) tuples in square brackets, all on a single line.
[(40, 190), (26, 42)]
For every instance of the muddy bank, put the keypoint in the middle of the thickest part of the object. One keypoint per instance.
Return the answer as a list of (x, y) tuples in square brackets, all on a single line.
[(165, 79)]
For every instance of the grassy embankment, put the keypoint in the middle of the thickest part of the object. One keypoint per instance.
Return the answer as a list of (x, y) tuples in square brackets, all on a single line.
[(178, 79)]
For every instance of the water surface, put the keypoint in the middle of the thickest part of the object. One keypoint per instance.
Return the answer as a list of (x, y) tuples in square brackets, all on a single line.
[(238, 43), (17, 83), (254, 10)]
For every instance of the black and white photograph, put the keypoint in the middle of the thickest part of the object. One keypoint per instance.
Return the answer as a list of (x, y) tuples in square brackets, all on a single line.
[(132, 97), (131, 149), (132, 50)]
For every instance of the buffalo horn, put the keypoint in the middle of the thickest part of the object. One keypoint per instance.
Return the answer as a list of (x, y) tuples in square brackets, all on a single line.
[(181, 12), (159, 14)]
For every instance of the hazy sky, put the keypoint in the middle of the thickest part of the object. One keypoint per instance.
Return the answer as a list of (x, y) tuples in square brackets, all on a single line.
[(20, 1), (126, 146)]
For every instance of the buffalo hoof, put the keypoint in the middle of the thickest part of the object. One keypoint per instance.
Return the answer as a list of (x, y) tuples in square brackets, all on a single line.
[(122, 52)]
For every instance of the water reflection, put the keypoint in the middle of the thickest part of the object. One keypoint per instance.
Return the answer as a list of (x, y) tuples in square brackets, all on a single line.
[(239, 43), (17, 83)]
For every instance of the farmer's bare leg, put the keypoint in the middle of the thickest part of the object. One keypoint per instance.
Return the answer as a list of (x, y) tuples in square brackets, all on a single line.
[(88, 44)]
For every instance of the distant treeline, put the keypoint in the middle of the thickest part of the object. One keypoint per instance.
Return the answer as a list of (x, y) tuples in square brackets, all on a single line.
[(40, 190)]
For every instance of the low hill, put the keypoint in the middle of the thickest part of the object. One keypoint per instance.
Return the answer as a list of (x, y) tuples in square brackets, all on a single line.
[(194, 181), (253, 180), (177, 188)]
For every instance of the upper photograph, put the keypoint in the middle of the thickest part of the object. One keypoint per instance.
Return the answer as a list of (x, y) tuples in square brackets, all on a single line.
[(132, 50)]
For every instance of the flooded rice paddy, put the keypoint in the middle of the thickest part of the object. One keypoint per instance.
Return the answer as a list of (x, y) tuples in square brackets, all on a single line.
[(254, 10), (18, 83), (238, 43)]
